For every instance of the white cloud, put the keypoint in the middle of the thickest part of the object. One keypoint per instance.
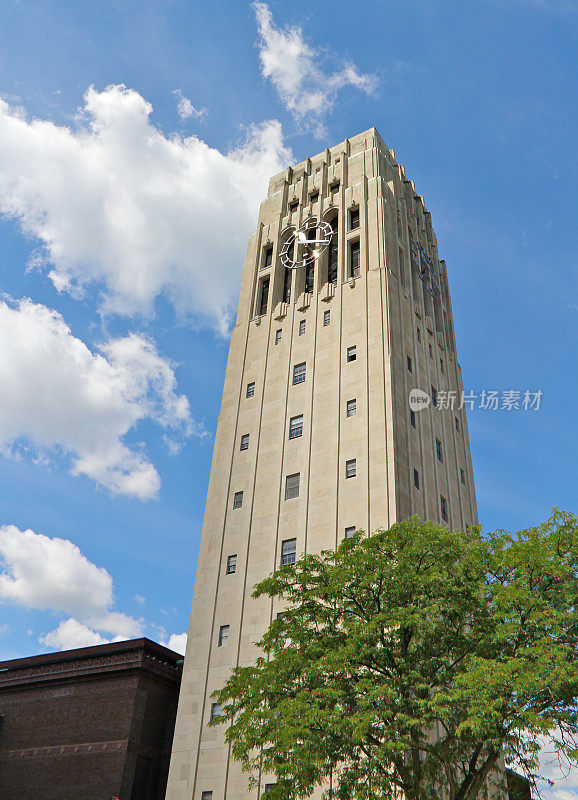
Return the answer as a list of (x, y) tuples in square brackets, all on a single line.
[(293, 67), (186, 110), (178, 642), (56, 393), (116, 203), (47, 574)]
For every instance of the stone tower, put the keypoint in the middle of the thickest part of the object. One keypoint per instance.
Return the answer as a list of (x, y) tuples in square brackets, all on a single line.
[(317, 437)]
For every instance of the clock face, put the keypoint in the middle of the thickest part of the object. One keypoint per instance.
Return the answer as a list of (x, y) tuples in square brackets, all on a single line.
[(426, 269), (305, 245)]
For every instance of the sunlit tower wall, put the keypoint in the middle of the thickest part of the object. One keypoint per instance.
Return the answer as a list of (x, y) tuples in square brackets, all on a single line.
[(316, 437)]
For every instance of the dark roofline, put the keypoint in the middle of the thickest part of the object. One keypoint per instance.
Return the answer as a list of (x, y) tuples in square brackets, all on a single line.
[(80, 653)]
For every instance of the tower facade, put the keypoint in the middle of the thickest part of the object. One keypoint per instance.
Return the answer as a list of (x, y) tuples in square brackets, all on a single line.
[(344, 324)]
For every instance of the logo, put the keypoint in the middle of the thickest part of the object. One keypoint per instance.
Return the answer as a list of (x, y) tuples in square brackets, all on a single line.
[(418, 400)]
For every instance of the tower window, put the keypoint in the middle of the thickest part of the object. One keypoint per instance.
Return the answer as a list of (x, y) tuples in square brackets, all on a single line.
[(264, 296), (434, 395), (352, 407), (292, 486), (418, 335), (287, 280), (250, 390), (288, 551), (223, 635), (299, 373), (444, 508), (457, 424), (269, 787), (412, 417), (350, 531), (354, 260), (430, 350), (352, 353), (231, 564), (296, 427), (314, 197), (442, 366), (332, 254), (439, 452), (293, 206), (267, 258), (334, 190), (401, 267), (409, 366), (309, 276), (462, 475), (206, 796), (245, 441), (301, 327), (351, 468), (238, 500), (278, 334), (326, 318), (215, 710), (353, 219), (416, 478)]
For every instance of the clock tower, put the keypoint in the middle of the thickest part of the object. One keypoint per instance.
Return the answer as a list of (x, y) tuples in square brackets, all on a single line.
[(340, 411)]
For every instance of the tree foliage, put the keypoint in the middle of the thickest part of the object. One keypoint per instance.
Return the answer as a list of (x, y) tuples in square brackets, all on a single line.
[(413, 659)]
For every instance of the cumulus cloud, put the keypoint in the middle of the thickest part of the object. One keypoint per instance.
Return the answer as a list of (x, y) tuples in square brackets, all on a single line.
[(186, 110), (47, 574), (306, 90), (116, 203), (178, 642), (55, 393)]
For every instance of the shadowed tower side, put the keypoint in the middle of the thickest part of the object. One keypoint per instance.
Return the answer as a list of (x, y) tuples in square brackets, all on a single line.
[(316, 437)]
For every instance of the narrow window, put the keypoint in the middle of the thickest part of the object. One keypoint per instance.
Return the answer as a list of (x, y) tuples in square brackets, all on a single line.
[(418, 335), (409, 369), (264, 296), (206, 796), (351, 468), (442, 366), (309, 276), (457, 424), (444, 508), (292, 486), (430, 350), (332, 254), (267, 258), (245, 441), (353, 219), (352, 353), (326, 318), (439, 453), (401, 268), (215, 711), (299, 373), (350, 531), (434, 395), (231, 564), (269, 787), (278, 334), (334, 191), (250, 390), (416, 478), (293, 206), (412, 417), (462, 476), (314, 197), (354, 260), (238, 500), (352, 407), (296, 427), (301, 327), (223, 635), (288, 551), (288, 279)]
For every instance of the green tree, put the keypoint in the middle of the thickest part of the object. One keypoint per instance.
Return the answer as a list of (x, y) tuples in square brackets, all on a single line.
[(413, 659)]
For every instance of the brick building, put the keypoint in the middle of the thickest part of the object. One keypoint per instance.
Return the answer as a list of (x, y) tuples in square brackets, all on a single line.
[(88, 724)]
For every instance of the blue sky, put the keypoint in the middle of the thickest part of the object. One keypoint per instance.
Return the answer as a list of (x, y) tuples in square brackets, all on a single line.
[(112, 385)]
